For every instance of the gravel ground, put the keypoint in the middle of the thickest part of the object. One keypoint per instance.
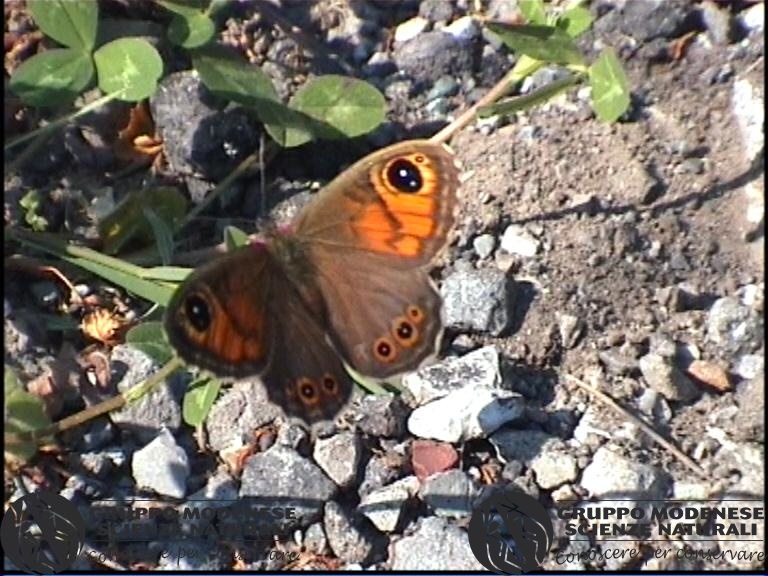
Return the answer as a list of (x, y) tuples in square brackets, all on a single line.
[(629, 256)]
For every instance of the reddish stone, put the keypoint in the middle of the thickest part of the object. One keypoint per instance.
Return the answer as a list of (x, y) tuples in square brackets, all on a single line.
[(429, 457)]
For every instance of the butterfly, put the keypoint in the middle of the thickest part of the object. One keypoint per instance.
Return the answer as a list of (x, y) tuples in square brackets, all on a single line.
[(348, 284)]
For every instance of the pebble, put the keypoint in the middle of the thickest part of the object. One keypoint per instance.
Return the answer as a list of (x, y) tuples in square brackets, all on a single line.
[(378, 472), (162, 466), (450, 494), (718, 22), (431, 55), (748, 106), (466, 414), (434, 544), (409, 29), (159, 409), (384, 506), (729, 324), (649, 19), (352, 540), (477, 369), (436, 10), (523, 445), (382, 416), (463, 29), (428, 458), (478, 301), (554, 466), (653, 404), (753, 18), (239, 411), (612, 475), (484, 245), (438, 108), (516, 240), (289, 479), (710, 374), (445, 86), (339, 456), (315, 539), (571, 329), (748, 366), (661, 375)]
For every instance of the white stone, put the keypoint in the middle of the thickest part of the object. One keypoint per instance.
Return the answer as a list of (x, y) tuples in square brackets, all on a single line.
[(409, 29), (162, 466), (517, 241), (463, 29)]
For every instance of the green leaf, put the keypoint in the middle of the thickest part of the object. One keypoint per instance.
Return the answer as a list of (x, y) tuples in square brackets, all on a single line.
[(350, 107), (198, 400), (162, 232), (533, 11), (190, 27), (610, 87), (53, 77), (129, 68), (530, 100), (234, 79), (23, 412), (235, 238), (575, 21), (30, 202), (130, 222), (149, 337), (547, 43), (72, 23)]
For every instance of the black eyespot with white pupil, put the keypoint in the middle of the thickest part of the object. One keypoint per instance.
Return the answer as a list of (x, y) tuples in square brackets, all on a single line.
[(329, 383), (384, 349), (405, 330), (307, 390), (405, 176), (198, 312)]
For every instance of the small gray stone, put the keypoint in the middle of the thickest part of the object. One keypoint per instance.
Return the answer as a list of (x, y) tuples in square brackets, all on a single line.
[(445, 86), (384, 506), (752, 19), (434, 544), (162, 466), (463, 29), (516, 240), (282, 477), (748, 366), (352, 539), (554, 466), (523, 445), (729, 324), (438, 108), (378, 472), (237, 413), (382, 416), (339, 457), (661, 375), (431, 55), (159, 409), (315, 539), (571, 328), (718, 22), (466, 414), (748, 106), (436, 10), (611, 475), (410, 29), (484, 245), (450, 494), (477, 369), (478, 300)]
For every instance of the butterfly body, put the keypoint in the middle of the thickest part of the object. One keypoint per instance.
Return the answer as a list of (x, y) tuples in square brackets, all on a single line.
[(348, 284)]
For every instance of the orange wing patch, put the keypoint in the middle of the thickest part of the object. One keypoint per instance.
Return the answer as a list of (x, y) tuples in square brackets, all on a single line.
[(406, 213)]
